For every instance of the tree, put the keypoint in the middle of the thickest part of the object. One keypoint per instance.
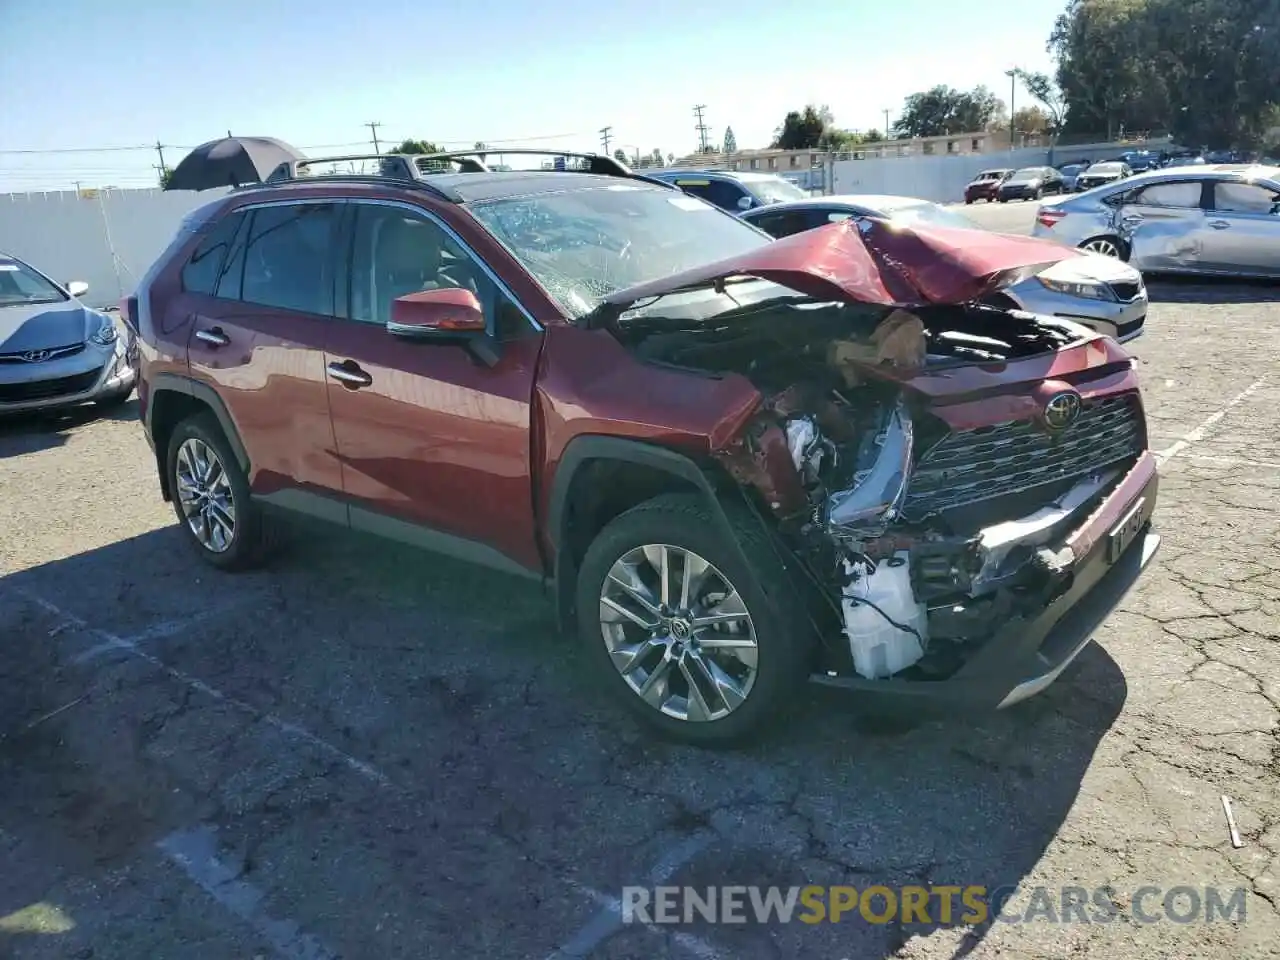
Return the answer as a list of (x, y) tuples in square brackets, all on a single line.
[(657, 157), (166, 177), (802, 129), (1031, 121), (944, 110), (1220, 60), (1106, 75), (418, 146), (671, 159), (480, 145), (730, 141), (620, 155), (1053, 108), (873, 136)]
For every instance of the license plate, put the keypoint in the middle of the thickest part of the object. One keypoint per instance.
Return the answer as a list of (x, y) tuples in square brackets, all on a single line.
[(1122, 533)]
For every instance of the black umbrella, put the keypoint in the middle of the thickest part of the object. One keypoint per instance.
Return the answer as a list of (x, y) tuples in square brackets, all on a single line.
[(229, 162)]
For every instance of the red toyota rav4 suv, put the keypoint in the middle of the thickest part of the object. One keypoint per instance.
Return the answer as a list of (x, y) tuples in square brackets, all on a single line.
[(738, 463)]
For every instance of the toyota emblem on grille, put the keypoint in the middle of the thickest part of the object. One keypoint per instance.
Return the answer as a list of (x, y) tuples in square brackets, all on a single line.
[(35, 356), (1062, 410)]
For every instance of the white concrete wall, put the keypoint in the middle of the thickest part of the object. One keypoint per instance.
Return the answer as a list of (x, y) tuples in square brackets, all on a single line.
[(941, 178), (65, 234)]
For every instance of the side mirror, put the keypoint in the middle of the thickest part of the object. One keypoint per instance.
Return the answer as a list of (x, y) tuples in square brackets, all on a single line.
[(450, 314), (745, 203), (433, 314), (77, 288)]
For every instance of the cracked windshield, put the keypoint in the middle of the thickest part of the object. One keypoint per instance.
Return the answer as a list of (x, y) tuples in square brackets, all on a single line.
[(569, 492)]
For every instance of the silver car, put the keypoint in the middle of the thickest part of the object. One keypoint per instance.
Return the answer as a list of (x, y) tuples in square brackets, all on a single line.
[(55, 351), (1097, 291), (1214, 219)]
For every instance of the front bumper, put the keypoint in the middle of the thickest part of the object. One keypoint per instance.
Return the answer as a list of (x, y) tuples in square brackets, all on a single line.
[(1030, 652), (87, 377)]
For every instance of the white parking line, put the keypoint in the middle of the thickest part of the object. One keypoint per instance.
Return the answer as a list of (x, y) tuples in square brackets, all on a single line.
[(608, 921), (127, 645), (1232, 461), (159, 631), (196, 852), (1200, 432)]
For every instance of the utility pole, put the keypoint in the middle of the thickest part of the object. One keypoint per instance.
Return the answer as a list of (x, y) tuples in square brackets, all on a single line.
[(606, 137), (886, 124), (703, 143), (160, 150), (1013, 90), (373, 130)]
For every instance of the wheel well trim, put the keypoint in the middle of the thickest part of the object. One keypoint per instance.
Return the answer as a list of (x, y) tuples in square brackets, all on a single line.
[(205, 394), (584, 449)]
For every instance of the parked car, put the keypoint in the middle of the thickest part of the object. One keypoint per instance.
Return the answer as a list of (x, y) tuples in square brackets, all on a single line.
[(731, 190), (1030, 183), (1204, 219), (54, 351), (1140, 161), (1101, 174), (985, 185), (1100, 292), (678, 424), (1069, 172)]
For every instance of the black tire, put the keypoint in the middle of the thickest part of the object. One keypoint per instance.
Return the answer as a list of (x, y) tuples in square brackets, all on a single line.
[(255, 535), (784, 635)]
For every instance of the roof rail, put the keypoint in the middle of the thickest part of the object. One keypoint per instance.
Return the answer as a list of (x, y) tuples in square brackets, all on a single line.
[(393, 166), (472, 161)]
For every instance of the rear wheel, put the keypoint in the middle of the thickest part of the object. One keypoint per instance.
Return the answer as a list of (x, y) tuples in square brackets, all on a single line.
[(211, 497), (679, 632), (1107, 246)]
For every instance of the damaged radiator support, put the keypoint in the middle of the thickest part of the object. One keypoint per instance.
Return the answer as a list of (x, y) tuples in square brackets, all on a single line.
[(888, 571)]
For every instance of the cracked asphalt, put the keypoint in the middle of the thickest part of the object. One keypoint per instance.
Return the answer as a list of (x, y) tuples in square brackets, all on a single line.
[(393, 755)]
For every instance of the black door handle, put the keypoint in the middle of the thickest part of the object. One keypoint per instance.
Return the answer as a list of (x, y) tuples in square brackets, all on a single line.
[(349, 374)]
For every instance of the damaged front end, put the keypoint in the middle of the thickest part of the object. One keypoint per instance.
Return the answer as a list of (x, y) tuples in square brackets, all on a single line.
[(949, 477)]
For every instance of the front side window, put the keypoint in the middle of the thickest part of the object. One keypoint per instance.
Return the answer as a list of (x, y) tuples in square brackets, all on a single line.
[(396, 252), (1183, 194), (776, 191), (19, 283), (288, 257), (723, 193), (582, 245)]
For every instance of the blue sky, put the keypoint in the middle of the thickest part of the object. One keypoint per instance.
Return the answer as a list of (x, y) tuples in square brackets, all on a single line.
[(95, 73)]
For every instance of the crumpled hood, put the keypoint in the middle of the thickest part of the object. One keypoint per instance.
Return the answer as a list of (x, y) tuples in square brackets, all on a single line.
[(870, 260), (42, 326)]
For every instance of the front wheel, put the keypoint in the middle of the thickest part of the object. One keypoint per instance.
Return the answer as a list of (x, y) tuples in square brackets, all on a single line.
[(1107, 246), (677, 628)]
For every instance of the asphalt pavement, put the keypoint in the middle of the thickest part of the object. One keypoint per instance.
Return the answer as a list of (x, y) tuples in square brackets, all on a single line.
[(367, 752)]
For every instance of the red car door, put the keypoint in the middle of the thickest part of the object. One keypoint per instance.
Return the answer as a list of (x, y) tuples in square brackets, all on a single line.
[(434, 445), (259, 341)]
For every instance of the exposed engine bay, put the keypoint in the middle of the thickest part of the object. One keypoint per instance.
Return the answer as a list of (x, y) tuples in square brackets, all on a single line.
[(921, 539)]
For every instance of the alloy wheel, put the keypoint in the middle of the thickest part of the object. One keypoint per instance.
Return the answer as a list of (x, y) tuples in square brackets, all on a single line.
[(1104, 246), (204, 492), (678, 632)]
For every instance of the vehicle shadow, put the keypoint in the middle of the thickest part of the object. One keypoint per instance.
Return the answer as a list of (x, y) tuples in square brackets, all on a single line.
[(833, 797), (32, 432), (1169, 288)]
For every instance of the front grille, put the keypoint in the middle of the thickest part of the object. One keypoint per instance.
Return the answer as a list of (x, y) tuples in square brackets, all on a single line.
[(45, 389), (54, 353), (969, 466), (1126, 291)]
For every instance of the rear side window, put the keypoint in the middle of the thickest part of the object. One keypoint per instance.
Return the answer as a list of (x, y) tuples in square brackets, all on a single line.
[(1243, 198), (722, 193), (1184, 194), (288, 257), (202, 271)]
